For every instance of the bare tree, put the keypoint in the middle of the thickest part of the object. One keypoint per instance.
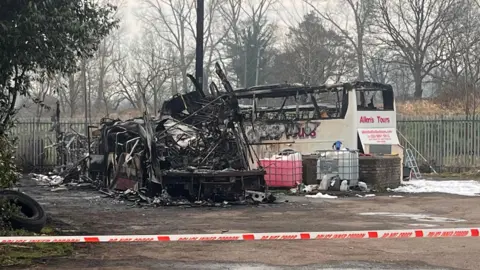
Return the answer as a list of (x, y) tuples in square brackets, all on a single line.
[(214, 34), (70, 95), (249, 43), (417, 30), (459, 76), (362, 11), (316, 53), (401, 79), (42, 95), (90, 86), (153, 67), (127, 84), (231, 13), (101, 67), (382, 66), (106, 58), (172, 20), (378, 65), (143, 71)]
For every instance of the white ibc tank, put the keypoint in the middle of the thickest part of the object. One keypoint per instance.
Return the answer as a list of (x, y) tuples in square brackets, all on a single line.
[(343, 163)]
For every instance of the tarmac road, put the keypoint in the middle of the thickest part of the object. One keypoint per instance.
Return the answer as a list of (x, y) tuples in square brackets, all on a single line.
[(87, 212), (120, 264)]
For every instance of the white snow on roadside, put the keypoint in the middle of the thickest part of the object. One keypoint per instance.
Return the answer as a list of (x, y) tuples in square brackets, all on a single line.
[(416, 217), (321, 196), (424, 225), (365, 196), (464, 188)]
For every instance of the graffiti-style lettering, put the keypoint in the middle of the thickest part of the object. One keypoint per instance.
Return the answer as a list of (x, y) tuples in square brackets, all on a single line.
[(263, 132)]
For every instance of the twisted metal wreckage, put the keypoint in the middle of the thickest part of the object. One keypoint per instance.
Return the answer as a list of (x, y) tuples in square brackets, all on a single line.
[(196, 149)]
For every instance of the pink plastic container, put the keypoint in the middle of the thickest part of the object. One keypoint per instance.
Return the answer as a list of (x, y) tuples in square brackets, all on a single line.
[(282, 173)]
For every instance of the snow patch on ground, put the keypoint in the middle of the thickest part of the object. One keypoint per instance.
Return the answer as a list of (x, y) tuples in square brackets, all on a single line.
[(416, 217), (464, 188), (365, 196), (423, 225), (321, 196)]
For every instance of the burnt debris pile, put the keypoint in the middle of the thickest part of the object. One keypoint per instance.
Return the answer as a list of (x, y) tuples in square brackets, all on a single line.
[(202, 133), (195, 150)]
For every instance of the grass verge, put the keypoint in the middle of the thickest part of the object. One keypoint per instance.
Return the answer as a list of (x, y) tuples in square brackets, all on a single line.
[(28, 254)]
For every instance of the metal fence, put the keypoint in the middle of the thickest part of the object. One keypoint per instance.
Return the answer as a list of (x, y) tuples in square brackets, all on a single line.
[(36, 139), (448, 143)]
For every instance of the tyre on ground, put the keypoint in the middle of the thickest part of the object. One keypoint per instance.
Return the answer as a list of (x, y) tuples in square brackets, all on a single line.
[(31, 215)]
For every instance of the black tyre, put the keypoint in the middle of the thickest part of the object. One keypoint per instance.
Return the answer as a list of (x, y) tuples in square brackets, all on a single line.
[(32, 217)]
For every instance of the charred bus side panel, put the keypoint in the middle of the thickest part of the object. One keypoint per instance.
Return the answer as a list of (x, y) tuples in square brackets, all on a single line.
[(308, 118)]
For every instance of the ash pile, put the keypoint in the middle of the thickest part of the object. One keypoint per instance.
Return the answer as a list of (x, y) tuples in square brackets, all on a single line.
[(196, 151)]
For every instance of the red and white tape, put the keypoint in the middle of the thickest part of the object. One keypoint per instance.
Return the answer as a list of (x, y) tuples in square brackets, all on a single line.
[(373, 234)]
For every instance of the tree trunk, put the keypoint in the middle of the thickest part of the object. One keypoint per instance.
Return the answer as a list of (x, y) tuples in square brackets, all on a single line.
[(140, 94), (85, 95), (89, 98), (175, 85), (72, 91), (101, 79), (206, 75), (184, 81), (418, 83), (100, 91), (155, 95), (361, 70)]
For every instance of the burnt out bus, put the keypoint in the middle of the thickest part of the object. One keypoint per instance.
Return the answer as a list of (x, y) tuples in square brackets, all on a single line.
[(361, 115)]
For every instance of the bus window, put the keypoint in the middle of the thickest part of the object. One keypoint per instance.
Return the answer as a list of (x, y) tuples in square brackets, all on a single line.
[(288, 102), (375, 100), (296, 105)]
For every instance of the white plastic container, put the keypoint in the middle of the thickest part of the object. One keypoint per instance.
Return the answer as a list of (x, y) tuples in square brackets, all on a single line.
[(343, 163)]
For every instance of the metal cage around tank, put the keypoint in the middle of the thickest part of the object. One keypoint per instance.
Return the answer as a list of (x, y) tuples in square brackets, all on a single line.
[(341, 163)]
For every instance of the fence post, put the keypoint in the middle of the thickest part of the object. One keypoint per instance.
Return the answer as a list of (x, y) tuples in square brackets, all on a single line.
[(442, 142), (473, 140), (58, 135)]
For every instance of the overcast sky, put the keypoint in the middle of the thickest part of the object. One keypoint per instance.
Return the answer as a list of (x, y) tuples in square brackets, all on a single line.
[(285, 13)]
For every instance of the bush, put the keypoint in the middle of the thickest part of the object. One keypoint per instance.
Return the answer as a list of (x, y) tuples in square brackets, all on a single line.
[(8, 169), (8, 177), (6, 211)]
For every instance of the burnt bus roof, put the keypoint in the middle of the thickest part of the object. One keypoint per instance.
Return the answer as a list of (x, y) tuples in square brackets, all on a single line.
[(282, 90)]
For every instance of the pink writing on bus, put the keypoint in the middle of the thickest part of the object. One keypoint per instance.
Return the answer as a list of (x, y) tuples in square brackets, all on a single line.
[(372, 120)]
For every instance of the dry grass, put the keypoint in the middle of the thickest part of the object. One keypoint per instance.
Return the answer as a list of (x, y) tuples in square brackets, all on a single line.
[(429, 108), (434, 108)]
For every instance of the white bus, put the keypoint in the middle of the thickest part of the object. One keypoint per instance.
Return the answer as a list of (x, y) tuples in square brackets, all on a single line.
[(361, 115)]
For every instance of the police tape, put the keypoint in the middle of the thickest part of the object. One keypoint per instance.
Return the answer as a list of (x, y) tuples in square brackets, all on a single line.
[(371, 234)]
